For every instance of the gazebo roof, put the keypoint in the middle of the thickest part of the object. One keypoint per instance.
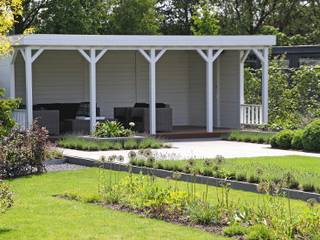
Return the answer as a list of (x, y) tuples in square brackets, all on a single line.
[(138, 41)]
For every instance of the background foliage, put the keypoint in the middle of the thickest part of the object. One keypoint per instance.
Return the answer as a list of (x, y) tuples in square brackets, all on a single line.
[(294, 98), (294, 22)]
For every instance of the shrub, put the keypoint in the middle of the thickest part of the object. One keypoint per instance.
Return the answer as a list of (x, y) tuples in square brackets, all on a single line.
[(235, 230), (308, 187), (6, 108), (150, 143), (282, 139), (253, 179), (6, 197), (112, 129), (117, 146), (207, 172), (247, 136), (53, 153), (296, 142), (260, 232), (202, 213), (159, 165), (311, 136), (241, 177), (130, 144), (22, 153)]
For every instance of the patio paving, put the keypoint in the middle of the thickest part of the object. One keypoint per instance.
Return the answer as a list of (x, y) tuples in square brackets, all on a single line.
[(198, 148)]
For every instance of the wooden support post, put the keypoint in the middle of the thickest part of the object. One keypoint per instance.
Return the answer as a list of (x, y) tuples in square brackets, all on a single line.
[(153, 57), (29, 100), (92, 59), (265, 88), (209, 58)]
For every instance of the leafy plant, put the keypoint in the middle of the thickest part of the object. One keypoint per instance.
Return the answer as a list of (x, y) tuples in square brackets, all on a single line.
[(81, 143), (260, 232), (247, 136), (22, 153), (202, 213), (6, 108), (6, 197), (112, 129), (130, 144), (311, 137), (235, 230), (282, 139), (296, 142)]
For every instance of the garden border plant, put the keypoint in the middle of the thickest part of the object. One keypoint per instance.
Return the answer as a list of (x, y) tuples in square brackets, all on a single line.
[(249, 136), (142, 167), (307, 139), (79, 143), (214, 168), (142, 194)]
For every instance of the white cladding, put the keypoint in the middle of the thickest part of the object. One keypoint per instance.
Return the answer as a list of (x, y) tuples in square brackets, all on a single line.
[(122, 80)]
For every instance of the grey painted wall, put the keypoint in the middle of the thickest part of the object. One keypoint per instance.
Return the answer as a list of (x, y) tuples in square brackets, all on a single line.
[(5, 74), (230, 89)]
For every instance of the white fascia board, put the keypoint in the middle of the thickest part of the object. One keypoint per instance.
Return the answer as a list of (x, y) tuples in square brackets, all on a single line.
[(133, 41)]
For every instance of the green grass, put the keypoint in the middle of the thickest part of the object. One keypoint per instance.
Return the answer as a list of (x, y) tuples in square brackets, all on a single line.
[(306, 170), (74, 142), (39, 215), (247, 136)]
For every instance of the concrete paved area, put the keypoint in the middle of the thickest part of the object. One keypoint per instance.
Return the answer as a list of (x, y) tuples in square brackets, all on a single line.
[(198, 148)]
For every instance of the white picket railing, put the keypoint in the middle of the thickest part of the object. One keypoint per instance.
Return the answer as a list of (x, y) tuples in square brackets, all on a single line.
[(251, 114), (20, 116)]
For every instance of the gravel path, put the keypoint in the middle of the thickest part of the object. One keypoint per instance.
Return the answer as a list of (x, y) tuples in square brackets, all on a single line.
[(63, 167)]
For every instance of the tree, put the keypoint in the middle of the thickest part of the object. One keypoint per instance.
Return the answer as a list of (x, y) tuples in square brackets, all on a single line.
[(30, 15), (294, 21), (205, 21), (8, 9), (133, 17), (177, 16), (244, 17), (73, 17)]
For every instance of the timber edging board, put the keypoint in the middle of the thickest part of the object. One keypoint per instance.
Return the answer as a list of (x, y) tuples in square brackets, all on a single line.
[(212, 181)]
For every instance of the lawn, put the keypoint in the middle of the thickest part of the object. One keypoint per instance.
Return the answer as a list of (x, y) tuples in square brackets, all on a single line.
[(306, 170), (39, 215)]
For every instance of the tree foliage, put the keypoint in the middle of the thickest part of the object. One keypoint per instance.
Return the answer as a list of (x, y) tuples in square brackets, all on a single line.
[(6, 107), (133, 17), (29, 16), (8, 9), (73, 17), (293, 21), (294, 98), (177, 16), (205, 20)]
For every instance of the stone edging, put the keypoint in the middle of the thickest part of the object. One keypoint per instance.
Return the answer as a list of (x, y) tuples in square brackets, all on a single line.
[(212, 181)]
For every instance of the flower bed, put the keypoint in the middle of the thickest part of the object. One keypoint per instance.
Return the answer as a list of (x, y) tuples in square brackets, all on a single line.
[(270, 217), (86, 144), (251, 170), (249, 136)]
